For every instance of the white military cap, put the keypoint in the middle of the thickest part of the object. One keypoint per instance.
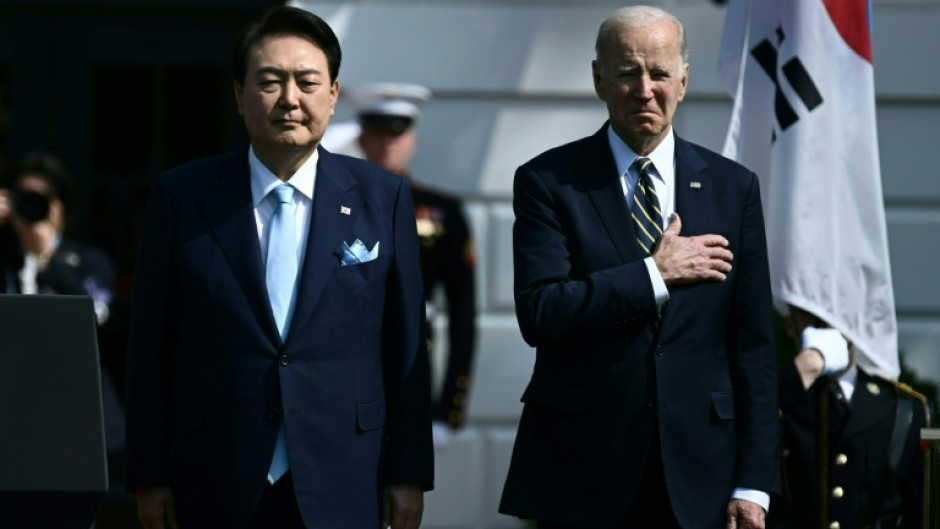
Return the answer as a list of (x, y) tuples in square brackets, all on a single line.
[(394, 106)]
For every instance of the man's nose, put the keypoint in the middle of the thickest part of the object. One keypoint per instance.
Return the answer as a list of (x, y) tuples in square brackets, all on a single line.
[(643, 87), (290, 93)]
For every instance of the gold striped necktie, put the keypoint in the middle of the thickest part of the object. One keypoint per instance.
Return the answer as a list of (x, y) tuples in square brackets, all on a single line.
[(647, 217)]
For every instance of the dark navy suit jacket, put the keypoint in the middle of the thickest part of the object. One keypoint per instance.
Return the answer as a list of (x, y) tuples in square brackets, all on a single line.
[(209, 381), (605, 376)]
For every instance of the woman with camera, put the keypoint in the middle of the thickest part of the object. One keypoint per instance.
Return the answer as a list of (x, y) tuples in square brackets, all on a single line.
[(35, 258)]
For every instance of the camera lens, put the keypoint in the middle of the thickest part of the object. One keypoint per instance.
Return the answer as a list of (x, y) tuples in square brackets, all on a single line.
[(30, 207)]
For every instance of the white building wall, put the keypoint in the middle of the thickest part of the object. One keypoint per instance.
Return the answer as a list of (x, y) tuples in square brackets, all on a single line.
[(512, 79)]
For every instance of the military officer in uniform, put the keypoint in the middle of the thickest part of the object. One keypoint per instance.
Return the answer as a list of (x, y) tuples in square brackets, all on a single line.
[(387, 113), (875, 463)]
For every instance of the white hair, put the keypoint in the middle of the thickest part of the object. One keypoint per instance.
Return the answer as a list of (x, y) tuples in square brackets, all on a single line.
[(638, 17)]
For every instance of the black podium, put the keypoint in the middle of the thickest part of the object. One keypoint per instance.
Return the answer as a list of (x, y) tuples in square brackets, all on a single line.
[(53, 466)]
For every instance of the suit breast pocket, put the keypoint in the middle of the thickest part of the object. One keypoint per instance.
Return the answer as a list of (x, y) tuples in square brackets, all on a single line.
[(358, 276)]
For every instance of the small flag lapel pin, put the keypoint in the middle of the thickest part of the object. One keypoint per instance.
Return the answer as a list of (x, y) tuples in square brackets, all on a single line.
[(345, 210), (695, 185)]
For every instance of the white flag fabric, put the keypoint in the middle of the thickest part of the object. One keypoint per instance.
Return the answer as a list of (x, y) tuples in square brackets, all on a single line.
[(801, 75)]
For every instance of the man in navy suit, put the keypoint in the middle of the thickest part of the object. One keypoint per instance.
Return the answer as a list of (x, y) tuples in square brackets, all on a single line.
[(644, 287), (314, 412)]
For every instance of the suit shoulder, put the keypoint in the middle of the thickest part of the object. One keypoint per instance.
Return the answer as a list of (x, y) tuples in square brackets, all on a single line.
[(203, 166), (193, 178), (717, 160), (559, 156), (903, 389)]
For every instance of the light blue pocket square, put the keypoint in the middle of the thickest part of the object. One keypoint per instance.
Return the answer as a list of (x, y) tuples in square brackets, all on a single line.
[(358, 253)]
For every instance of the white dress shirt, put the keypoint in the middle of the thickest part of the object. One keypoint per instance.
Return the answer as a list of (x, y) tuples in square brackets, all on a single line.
[(664, 180), (263, 181), (848, 381)]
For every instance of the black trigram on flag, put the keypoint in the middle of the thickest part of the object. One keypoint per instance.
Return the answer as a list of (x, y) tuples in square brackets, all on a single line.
[(766, 56)]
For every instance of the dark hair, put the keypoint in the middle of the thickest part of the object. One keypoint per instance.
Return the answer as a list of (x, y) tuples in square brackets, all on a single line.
[(50, 169), (287, 21)]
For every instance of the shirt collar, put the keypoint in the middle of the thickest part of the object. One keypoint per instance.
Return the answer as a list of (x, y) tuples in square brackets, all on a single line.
[(848, 381), (663, 156), (263, 180)]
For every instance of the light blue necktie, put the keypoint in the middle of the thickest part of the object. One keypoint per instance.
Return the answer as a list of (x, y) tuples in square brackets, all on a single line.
[(281, 277), (281, 267)]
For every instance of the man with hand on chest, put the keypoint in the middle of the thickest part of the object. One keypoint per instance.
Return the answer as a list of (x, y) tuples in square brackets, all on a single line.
[(641, 279)]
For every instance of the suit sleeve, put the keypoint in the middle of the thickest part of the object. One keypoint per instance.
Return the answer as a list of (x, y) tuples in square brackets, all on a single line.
[(148, 459), (553, 302), (407, 373), (751, 356)]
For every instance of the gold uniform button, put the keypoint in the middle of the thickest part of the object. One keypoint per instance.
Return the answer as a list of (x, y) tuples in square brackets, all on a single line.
[(838, 492), (455, 417), (459, 399), (463, 382), (842, 459), (873, 388), (834, 525)]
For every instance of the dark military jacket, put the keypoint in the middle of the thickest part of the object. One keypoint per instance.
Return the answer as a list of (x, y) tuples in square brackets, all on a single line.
[(859, 439), (448, 262)]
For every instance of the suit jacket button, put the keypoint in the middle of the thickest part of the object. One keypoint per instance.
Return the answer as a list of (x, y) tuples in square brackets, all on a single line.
[(284, 360), (659, 350)]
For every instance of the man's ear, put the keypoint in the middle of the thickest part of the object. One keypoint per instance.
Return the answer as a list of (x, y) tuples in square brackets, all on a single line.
[(684, 82), (239, 91), (334, 96), (596, 75)]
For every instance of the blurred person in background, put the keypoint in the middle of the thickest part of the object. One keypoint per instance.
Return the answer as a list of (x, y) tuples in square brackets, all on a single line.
[(875, 466), (387, 115), (37, 257)]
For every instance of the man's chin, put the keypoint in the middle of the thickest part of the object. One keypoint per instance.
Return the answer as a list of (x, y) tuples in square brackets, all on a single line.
[(645, 127), (641, 130), (291, 142)]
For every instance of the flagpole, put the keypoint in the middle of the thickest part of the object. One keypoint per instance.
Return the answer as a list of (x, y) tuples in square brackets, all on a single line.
[(822, 451)]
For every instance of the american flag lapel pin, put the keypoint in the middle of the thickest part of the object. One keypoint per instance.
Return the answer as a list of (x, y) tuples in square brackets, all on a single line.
[(695, 185), (345, 210)]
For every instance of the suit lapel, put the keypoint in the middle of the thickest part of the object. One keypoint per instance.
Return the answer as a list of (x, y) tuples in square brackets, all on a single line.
[(606, 192), (692, 204), (230, 213), (336, 205)]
